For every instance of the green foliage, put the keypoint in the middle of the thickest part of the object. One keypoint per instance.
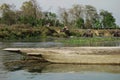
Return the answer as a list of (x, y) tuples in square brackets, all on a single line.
[(97, 24), (82, 41), (108, 21), (80, 23), (8, 15), (27, 20), (79, 16), (17, 32)]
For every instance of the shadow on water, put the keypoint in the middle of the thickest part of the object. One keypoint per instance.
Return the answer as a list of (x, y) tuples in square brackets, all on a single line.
[(41, 67), (53, 44), (30, 44)]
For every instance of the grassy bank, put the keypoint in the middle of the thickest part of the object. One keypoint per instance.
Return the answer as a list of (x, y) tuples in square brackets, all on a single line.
[(83, 41)]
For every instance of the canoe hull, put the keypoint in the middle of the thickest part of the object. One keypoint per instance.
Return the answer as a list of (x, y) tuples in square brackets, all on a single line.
[(83, 59), (81, 55)]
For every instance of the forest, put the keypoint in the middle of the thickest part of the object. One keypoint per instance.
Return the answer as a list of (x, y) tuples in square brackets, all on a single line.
[(80, 16), (31, 21)]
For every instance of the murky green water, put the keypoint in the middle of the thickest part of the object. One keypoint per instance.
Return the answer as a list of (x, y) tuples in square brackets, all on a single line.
[(13, 67)]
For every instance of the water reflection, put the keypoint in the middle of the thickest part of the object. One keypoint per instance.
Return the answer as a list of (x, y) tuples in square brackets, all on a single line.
[(30, 44), (59, 68), (53, 44)]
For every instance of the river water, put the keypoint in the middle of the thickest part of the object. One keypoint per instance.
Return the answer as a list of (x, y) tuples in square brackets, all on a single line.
[(14, 67)]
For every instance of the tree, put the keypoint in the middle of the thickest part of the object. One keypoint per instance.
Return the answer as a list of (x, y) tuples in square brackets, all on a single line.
[(76, 11), (31, 12), (80, 23), (30, 8), (37, 9), (76, 15), (107, 19), (8, 15), (64, 16), (50, 18), (88, 24), (91, 15), (97, 24)]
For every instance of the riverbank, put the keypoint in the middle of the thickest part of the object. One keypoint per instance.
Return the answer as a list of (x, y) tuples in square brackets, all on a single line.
[(27, 33)]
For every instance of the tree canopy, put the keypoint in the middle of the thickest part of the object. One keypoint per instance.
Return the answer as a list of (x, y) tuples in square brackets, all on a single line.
[(79, 16)]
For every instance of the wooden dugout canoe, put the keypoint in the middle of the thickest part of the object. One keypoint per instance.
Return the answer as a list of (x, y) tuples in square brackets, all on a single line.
[(82, 55)]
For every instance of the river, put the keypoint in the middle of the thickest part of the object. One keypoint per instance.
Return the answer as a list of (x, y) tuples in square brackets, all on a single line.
[(14, 67)]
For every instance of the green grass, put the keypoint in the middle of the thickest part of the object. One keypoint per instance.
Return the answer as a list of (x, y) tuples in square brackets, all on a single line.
[(83, 41)]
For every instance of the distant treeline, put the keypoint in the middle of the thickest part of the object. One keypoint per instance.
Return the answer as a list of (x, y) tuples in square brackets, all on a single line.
[(78, 16)]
